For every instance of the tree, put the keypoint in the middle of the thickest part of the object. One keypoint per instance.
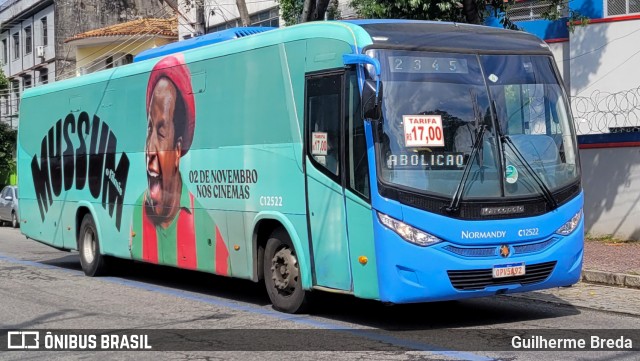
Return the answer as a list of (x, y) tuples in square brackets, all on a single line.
[(313, 10), (244, 13), (7, 152), (301, 11), (4, 82), (463, 11)]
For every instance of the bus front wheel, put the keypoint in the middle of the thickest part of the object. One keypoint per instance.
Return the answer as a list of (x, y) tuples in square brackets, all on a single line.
[(14, 220), (92, 262), (282, 276)]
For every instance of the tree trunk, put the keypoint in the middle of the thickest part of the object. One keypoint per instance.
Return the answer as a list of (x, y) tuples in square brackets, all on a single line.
[(307, 9), (470, 10), (321, 8), (244, 13)]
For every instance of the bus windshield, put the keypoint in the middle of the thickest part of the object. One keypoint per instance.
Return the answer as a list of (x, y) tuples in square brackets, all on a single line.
[(435, 105)]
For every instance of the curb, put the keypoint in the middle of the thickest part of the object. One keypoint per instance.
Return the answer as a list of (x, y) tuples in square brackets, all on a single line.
[(610, 278)]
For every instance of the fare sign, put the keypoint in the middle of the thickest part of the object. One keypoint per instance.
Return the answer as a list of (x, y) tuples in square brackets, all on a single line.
[(423, 131), (319, 143)]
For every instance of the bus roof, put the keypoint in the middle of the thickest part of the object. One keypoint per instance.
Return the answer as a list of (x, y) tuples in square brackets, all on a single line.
[(404, 34), (449, 36), (350, 33), (198, 41)]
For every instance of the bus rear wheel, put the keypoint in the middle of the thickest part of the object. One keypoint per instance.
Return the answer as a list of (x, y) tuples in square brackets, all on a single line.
[(282, 276), (92, 262)]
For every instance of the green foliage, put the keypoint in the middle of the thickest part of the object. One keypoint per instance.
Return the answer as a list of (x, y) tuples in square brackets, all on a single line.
[(7, 152), (291, 11), (450, 10), (462, 11), (4, 82), (444, 10)]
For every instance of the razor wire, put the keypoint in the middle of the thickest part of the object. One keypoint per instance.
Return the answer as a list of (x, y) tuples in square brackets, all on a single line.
[(605, 112)]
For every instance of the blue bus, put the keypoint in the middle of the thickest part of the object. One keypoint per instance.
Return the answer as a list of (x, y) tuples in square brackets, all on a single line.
[(402, 161)]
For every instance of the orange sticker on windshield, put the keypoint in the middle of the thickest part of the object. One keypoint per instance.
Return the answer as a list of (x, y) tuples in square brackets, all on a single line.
[(423, 131)]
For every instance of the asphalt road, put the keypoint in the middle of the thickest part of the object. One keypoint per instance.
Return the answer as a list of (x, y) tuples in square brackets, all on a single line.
[(43, 288)]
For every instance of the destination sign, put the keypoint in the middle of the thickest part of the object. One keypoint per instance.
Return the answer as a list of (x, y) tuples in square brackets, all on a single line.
[(428, 64)]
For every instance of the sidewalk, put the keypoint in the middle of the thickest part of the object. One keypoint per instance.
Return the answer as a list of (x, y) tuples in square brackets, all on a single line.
[(608, 264), (615, 264)]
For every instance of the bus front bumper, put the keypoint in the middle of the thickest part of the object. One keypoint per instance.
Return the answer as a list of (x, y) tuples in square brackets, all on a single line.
[(408, 273)]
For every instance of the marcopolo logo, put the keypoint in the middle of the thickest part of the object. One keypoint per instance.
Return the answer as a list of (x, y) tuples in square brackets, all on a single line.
[(91, 163)]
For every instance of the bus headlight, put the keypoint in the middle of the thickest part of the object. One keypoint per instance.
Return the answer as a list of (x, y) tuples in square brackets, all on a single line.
[(408, 233), (568, 227)]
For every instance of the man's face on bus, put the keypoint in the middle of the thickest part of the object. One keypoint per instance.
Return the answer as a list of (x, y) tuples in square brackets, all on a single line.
[(163, 150)]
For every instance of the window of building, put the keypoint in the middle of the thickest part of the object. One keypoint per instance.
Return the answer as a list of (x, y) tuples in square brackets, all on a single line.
[(16, 45), (126, 59), (45, 37), (265, 18), (528, 10), (26, 82), (28, 41), (44, 76), (622, 7), (5, 51), (15, 88), (7, 105), (224, 26)]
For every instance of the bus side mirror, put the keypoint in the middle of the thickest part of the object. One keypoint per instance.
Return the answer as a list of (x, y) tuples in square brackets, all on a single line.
[(371, 95)]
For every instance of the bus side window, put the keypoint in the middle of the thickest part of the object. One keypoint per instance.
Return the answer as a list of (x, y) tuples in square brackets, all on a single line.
[(357, 143)]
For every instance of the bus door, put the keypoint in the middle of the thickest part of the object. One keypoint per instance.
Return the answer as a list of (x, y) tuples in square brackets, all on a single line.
[(326, 209)]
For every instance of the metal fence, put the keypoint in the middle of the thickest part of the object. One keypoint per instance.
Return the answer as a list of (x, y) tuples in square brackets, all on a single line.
[(603, 112)]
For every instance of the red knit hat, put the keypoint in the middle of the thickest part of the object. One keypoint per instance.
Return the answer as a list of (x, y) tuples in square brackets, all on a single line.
[(175, 70)]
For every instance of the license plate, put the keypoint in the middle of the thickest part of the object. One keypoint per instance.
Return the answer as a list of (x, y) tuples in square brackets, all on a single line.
[(508, 270)]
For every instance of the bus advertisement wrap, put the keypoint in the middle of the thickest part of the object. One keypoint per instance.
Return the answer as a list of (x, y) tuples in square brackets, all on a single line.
[(251, 158)]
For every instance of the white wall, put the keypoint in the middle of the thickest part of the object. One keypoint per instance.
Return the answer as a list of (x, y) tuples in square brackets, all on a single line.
[(605, 75), (611, 182)]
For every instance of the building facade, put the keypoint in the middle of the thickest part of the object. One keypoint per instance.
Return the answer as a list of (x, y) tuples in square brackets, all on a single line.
[(599, 62), (27, 44), (33, 34), (118, 44), (207, 16)]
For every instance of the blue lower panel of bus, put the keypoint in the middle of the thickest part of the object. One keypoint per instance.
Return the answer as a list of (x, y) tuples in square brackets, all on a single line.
[(448, 270)]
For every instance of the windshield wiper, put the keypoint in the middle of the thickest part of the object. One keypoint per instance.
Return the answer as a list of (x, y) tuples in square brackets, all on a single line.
[(454, 206), (546, 192), (504, 138)]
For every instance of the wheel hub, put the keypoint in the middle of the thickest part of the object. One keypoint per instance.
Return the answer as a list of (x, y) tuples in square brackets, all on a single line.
[(284, 271)]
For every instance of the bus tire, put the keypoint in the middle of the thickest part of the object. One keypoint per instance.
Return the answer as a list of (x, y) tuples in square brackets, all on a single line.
[(92, 262), (282, 276), (14, 220)]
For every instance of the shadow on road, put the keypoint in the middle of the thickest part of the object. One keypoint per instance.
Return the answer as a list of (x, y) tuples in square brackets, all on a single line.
[(343, 308)]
